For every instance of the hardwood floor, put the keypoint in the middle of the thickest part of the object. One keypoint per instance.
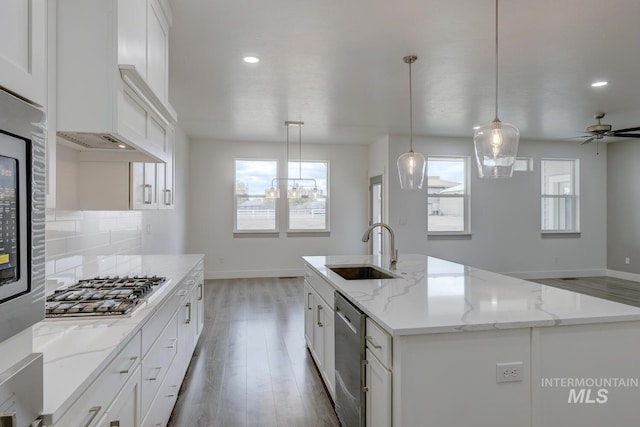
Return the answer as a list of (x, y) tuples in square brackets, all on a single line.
[(619, 290), (251, 366)]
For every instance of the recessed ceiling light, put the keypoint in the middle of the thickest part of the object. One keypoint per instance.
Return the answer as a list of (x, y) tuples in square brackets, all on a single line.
[(599, 84), (251, 59)]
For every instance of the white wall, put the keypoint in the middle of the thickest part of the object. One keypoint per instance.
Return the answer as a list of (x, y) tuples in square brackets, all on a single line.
[(210, 220), (505, 214)]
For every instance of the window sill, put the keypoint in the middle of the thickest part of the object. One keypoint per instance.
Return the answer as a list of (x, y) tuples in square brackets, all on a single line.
[(559, 234), (255, 233), (308, 233), (448, 236)]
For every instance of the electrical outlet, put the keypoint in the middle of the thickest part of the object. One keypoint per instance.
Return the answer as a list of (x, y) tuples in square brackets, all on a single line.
[(508, 372), (627, 260)]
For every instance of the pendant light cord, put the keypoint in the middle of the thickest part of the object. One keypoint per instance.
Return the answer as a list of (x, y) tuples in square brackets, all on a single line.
[(410, 112), (496, 118)]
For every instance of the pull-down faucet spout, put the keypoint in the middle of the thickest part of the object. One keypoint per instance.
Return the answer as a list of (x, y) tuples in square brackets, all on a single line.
[(394, 251)]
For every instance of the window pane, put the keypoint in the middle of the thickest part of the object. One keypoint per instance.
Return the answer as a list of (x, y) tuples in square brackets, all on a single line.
[(557, 177), (446, 175), (253, 210), (557, 213), (445, 214), (308, 211)]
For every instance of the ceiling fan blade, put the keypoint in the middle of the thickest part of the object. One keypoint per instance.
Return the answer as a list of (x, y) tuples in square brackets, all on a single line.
[(626, 130), (588, 140), (626, 135)]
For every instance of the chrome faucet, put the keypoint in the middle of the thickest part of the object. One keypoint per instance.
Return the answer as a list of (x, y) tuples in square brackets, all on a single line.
[(394, 251)]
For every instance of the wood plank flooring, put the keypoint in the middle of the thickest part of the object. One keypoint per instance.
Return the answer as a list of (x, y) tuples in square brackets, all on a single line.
[(251, 366), (610, 288)]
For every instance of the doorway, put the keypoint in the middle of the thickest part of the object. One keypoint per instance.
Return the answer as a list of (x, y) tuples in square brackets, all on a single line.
[(375, 213)]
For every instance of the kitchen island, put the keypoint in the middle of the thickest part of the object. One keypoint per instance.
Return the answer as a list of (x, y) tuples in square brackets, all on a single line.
[(471, 347), (126, 369)]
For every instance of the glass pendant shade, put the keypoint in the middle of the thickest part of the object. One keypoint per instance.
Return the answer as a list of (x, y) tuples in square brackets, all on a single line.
[(293, 192), (272, 193), (411, 168), (496, 145)]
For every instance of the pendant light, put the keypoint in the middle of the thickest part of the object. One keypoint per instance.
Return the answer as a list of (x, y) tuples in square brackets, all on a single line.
[(496, 143), (297, 190), (411, 165)]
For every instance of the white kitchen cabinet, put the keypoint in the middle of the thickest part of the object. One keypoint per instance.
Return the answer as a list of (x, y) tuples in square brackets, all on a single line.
[(320, 327), (103, 100), (144, 186), (378, 396), (125, 409), (23, 54)]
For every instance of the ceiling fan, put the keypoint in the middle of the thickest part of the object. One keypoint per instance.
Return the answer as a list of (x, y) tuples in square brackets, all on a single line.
[(600, 130)]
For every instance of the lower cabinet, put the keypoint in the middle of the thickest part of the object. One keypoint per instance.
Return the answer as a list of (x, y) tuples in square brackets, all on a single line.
[(378, 396), (139, 387), (319, 327)]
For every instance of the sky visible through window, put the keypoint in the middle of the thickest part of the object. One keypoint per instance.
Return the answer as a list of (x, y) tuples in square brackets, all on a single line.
[(258, 175), (447, 170)]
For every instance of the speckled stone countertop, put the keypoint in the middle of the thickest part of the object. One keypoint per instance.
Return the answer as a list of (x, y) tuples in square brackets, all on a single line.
[(432, 295)]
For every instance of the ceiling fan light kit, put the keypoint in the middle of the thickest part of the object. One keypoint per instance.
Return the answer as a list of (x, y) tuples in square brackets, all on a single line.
[(411, 165), (496, 143), (601, 130)]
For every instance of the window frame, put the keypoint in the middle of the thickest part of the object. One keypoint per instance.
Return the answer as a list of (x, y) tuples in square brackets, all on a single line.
[(327, 197), (466, 197), (573, 197), (276, 228)]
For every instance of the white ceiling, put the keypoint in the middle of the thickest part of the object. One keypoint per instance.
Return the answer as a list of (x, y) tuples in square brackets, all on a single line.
[(337, 65)]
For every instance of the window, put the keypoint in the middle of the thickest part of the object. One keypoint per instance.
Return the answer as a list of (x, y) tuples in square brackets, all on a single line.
[(448, 195), (560, 210), (309, 212), (255, 212)]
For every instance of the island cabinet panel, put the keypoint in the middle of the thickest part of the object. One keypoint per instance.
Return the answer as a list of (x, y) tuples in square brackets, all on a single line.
[(586, 375), (378, 397), (320, 326), (450, 379)]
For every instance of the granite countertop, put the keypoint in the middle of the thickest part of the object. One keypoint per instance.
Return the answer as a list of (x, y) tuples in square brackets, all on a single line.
[(432, 295), (76, 350)]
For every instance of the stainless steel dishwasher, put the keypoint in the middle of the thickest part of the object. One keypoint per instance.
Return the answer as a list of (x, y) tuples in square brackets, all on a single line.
[(350, 355)]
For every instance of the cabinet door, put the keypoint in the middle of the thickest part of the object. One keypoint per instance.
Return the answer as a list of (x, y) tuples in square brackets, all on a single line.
[(23, 54), (378, 399), (143, 186), (132, 34), (125, 409), (157, 50), (166, 174), (329, 358), (308, 314)]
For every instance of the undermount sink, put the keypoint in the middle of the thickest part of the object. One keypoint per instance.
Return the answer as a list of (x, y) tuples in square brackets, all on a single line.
[(360, 272)]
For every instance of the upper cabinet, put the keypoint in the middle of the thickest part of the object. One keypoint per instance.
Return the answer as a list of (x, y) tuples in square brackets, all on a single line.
[(112, 73), (23, 25)]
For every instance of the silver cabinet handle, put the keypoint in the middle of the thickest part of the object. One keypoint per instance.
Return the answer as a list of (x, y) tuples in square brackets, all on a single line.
[(167, 196), (155, 377), (319, 322), (200, 292), (92, 414), (309, 301), (373, 343), (363, 374), (173, 343), (133, 363), (148, 194), (188, 320)]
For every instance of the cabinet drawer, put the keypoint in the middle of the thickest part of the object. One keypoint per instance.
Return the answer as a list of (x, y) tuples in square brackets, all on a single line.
[(92, 404), (379, 342), (162, 405), (157, 362), (321, 286), (151, 330)]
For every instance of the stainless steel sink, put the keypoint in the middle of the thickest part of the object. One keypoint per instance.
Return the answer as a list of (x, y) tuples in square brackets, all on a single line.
[(360, 272)]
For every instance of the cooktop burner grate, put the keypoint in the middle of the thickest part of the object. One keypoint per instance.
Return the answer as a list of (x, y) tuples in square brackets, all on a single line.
[(102, 296)]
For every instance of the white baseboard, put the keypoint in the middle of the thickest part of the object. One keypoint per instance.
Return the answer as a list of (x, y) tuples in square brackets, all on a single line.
[(557, 274), (624, 275), (250, 274)]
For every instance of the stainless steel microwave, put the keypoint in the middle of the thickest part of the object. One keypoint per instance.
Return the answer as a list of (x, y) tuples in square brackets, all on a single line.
[(22, 224)]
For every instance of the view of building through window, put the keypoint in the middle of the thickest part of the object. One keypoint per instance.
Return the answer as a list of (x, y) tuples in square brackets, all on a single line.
[(254, 211), (308, 211), (447, 191), (559, 195)]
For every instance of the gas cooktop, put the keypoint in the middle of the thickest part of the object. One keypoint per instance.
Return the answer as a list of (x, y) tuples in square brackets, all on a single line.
[(102, 296)]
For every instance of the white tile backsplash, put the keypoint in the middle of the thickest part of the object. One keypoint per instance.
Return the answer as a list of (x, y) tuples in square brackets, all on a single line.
[(81, 244)]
